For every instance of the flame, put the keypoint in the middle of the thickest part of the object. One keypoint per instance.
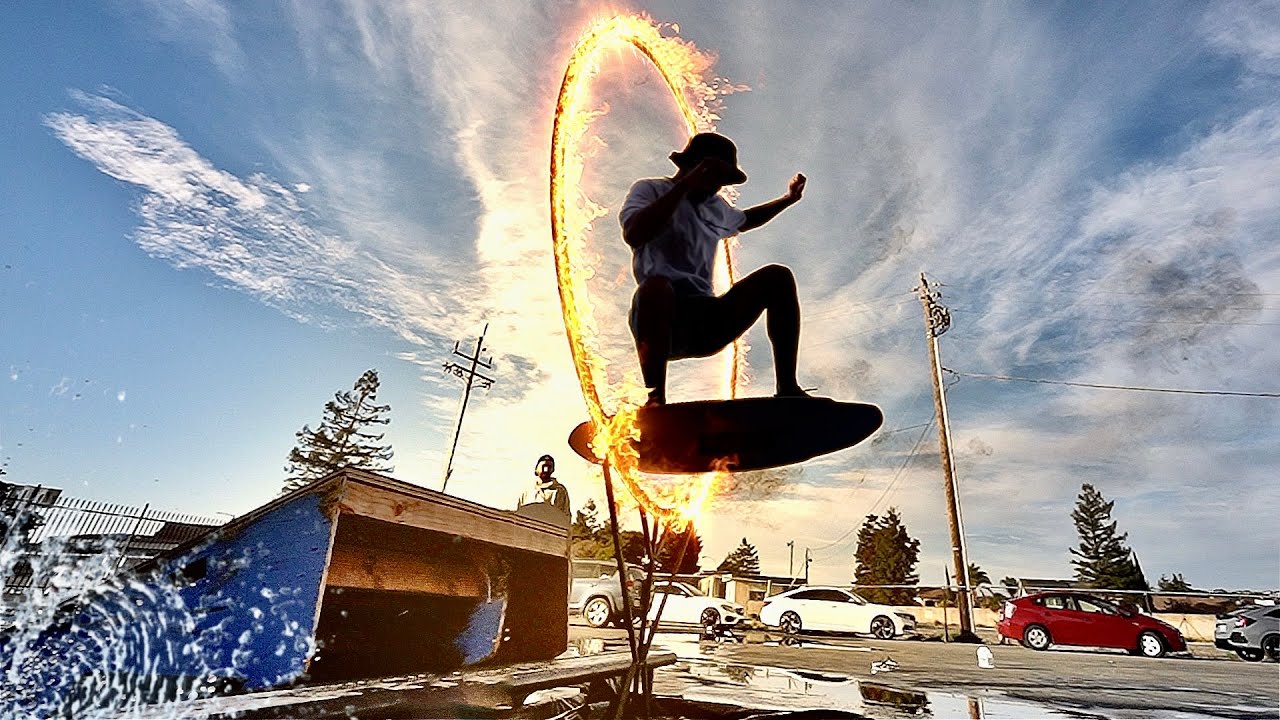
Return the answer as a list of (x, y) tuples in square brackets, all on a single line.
[(683, 67)]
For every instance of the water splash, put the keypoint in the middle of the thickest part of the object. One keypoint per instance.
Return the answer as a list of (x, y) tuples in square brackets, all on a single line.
[(87, 641)]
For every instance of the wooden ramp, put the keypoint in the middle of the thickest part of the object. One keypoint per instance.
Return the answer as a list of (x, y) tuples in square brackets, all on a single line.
[(354, 576)]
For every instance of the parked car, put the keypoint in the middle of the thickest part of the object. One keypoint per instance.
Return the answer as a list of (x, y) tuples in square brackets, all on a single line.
[(1046, 619), (601, 599), (1253, 633), (685, 604), (834, 609), (584, 574)]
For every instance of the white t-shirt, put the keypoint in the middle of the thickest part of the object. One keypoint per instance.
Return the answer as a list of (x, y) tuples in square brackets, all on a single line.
[(685, 250)]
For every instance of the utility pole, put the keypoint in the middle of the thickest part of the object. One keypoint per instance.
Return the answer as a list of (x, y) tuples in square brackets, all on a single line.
[(472, 377), (791, 559), (807, 559), (937, 319)]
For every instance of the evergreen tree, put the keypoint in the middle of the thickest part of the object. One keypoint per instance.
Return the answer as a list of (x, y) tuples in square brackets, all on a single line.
[(1010, 582), (587, 522), (742, 561), (669, 549), (1174, 584), (886, 555), (344, 437), (1103, 559)]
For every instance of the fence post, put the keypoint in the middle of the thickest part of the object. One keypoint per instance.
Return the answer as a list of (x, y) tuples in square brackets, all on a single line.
[(124, 552)]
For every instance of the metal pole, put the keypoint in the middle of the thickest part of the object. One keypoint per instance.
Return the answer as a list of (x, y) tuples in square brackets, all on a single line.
[(791, 559), (937, 320), (124, 552), (466, 395), (946, 625), (621, 561)]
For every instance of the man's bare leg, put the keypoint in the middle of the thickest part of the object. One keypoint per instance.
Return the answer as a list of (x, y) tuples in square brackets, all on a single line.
[(770, 289), (655, 312)]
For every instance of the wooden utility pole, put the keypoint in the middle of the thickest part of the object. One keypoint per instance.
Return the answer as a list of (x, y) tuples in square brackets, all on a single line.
[(937, 319), (471, 376)]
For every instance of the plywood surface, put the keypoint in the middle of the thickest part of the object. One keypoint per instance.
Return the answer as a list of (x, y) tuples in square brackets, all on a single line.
[(428, 510)]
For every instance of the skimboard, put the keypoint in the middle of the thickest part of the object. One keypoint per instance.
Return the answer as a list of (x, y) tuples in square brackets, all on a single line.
[(739, 435)]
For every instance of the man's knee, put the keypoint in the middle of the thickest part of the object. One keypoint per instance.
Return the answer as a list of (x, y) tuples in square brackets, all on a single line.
[(779, 277), (656, 290)]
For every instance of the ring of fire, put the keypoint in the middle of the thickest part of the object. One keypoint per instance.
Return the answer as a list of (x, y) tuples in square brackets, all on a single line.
[(681, 66)]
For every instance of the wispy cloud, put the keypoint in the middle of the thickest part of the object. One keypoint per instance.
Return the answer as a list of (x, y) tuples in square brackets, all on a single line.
[(251, 232), (206, 24)]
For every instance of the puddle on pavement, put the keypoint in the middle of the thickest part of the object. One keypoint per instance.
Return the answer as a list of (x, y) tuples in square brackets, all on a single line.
[(699, 678), (778, 689)]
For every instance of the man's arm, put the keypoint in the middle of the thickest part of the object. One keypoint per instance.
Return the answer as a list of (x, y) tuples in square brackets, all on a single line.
[(764, 212), (645, 224)]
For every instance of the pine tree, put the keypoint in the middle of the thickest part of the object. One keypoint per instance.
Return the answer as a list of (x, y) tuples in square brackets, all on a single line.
[(586, 522), (742, 561), (669, 549), (1176, 583), (1104, 561), (886, 555), (344, 437)]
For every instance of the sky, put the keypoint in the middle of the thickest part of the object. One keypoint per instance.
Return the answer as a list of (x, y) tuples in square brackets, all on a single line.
[(216, 215)]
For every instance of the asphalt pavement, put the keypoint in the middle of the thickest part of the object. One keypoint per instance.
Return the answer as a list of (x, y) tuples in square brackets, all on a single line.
[(944, 680)]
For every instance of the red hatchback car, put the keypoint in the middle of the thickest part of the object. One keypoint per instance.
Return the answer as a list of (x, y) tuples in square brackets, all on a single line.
[(1045, 619)]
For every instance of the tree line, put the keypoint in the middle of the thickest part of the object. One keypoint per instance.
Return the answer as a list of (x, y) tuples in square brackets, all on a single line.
[(887, 554)]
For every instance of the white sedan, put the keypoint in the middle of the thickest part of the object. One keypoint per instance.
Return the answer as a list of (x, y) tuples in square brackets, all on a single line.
[(834, 609), (686, 605)]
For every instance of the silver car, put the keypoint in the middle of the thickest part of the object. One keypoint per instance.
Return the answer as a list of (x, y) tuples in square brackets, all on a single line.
[(600, 599), (1252, 633)]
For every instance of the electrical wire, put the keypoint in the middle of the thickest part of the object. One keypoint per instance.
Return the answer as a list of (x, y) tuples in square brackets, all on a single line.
[(911, 456), (1104, 386), (974, 311)]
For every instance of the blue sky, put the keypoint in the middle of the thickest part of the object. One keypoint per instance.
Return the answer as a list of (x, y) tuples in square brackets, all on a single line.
[(218, 214)]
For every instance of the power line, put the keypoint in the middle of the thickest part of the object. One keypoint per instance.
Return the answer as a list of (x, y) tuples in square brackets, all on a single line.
[(910, 456), (1123, 320), (1088, 290), (1103, 386)]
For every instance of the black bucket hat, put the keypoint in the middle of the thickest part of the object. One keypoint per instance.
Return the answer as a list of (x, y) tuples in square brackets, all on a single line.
[(704, 145)]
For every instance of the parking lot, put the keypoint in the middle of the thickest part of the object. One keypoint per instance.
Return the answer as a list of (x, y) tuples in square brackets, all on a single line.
[(829, 670)]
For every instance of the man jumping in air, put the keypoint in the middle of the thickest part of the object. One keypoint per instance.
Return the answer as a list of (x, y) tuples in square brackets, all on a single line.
[(673, 226)]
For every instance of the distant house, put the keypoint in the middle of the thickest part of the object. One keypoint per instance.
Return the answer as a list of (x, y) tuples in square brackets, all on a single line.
[(748, 591), (1027, 586), (939, 596)]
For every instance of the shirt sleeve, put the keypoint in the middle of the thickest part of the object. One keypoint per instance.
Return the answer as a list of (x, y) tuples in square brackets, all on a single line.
[(640, 196), (732, 218)]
